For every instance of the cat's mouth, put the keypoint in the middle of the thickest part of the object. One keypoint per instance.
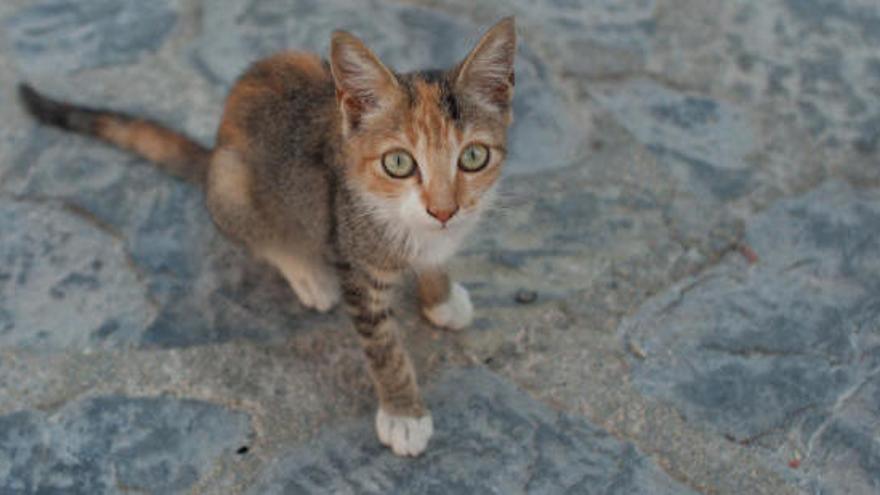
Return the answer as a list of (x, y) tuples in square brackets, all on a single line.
[(453, 225)]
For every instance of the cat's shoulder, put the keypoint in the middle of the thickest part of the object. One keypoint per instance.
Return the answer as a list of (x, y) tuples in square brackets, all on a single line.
[(289, 64)]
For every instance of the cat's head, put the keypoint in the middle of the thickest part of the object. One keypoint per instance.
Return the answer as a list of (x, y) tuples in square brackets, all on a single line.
[(425, 149)]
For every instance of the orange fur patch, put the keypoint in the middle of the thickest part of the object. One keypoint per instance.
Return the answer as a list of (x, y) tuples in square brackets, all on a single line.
[(307, 64), (230, 178), (148, 139), (271, 77)]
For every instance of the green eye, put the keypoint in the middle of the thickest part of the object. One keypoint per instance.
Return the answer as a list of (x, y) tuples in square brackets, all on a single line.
[(398, 164), (473, 158)]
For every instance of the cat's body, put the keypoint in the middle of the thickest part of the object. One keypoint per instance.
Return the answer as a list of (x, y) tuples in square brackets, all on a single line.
[(343, 175)]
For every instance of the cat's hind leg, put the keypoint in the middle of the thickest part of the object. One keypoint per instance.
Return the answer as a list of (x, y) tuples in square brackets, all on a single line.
[(229, 190), (310, 276)]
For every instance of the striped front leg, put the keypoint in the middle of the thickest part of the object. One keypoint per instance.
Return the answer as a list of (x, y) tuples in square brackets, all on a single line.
[(402, 421)]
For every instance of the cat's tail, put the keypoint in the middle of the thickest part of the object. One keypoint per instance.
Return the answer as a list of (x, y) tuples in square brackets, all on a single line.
[(172, 151)]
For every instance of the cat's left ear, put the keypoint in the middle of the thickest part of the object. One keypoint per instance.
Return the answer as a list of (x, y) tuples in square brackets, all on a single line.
[(363, 84), (485, 76)]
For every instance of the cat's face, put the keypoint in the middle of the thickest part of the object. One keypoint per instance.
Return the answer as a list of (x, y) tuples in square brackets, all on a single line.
[(425, 150)]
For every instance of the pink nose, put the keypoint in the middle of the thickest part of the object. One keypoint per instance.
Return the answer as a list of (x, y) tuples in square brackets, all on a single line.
[(442, 215)]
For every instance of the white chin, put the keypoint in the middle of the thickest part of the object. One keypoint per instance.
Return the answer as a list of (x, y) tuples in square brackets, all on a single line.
[(434, 245)]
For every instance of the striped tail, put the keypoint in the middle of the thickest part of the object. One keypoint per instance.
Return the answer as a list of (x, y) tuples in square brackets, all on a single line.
[(172, 151)]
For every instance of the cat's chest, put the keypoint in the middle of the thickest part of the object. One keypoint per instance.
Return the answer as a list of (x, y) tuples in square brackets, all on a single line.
[(433, 248)]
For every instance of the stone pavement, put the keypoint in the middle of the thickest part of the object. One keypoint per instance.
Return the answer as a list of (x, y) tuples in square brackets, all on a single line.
[(679, 292)]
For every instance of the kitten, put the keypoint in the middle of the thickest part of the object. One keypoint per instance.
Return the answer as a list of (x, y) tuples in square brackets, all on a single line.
[(343, 174)]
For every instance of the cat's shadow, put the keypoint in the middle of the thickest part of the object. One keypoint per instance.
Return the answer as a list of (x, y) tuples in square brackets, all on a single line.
[(232, 297)]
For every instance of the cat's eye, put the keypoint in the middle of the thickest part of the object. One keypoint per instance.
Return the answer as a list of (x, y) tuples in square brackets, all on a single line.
[(398, 164), (474, 158)]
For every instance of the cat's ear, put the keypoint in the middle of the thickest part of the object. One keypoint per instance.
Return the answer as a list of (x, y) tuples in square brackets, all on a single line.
[(485, 76), (363, 84)]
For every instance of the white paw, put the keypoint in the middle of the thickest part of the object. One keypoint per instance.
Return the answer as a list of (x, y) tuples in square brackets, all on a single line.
[(318, 291), (456, 313), (407, 436)]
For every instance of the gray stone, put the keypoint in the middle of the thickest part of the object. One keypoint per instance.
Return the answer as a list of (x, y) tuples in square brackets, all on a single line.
[(779, 348), (69, 35), (846, 447), (65, 282), (648, 132), (544, 134), (489, 438), (178, 261), (803, 61), (818, 14), (704, 141), (117, 444), (603, 38)]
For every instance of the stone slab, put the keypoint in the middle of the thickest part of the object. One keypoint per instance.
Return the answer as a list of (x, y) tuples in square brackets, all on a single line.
[(116, 444), (782, 354), (490, 438), (65, 283), (69, 35)]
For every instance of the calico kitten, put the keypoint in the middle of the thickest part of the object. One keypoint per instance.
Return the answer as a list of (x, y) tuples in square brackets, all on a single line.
[(344, 174)]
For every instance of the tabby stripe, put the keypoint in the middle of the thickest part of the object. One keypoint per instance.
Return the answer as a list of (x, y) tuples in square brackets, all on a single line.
[(376, 304), (396, 365), (358, 305), (378, 352), (385, 276), (372, 318), (401, 387), (352, 296), (343, 266), (369, 331), (377, 356), (376, 284)]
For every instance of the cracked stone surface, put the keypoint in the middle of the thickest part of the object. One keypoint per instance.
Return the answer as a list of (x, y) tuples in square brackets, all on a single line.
[(492, 438), (67, 36), (63, 286), (678, 291), (110, 444), (770, 354)]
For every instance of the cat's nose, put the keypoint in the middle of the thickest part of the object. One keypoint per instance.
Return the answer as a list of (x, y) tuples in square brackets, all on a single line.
[(442, 214)]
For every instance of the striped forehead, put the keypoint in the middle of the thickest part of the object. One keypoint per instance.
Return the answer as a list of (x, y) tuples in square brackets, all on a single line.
[(432, 122), (426, 119)]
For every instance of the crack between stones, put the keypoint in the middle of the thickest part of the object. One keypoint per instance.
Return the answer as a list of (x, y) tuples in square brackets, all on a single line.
[(624, 76), (838, 405), (685, 290), (755, 352), (750, 440), (530, 468), (89, 218)]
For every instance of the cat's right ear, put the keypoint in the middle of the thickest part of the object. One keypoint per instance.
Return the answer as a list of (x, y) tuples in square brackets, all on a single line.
[(363, 84)]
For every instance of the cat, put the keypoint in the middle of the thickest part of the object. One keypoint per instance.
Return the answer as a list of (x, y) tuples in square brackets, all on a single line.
[(343, 174)]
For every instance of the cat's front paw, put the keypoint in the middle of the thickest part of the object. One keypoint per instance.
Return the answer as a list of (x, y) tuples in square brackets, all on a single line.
[(405, 435), (455, 313)]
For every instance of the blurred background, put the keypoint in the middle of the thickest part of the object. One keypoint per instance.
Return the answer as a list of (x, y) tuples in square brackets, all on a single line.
[(679, 291)]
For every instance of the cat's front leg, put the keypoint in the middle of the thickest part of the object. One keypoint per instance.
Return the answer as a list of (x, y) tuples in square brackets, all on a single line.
[(444, 302), (403, 423)]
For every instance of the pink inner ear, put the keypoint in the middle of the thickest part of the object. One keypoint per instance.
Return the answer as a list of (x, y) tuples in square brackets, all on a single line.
[(501, 93), (488, 71), (353, 107)]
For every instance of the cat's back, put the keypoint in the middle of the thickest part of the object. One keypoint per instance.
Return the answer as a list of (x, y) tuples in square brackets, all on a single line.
[(282, 109), (276, 147)]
